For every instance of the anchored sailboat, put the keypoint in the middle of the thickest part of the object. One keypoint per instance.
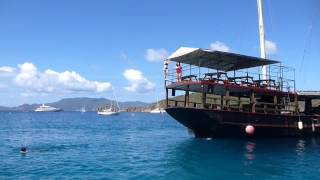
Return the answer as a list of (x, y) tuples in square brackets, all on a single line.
[(113, 109), (158, 109)]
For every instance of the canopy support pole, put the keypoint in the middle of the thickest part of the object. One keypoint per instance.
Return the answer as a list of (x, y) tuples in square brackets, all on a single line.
[(186, 97), (228, 98), (275, 103), (167, 98), (204, 97), (253, 102)]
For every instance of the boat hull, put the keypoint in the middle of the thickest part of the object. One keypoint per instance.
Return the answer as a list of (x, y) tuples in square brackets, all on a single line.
[(232, 124), (157, 111), (108, 113), (55, 110)]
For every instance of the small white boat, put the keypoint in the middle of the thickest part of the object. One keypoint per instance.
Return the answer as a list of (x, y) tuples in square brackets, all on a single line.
[(157, 110), (44, 108), (108, 112), (83, 109), (112, 110)]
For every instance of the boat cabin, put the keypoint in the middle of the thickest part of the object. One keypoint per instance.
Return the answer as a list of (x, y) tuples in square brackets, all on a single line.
[(311, 101), (208, 79)]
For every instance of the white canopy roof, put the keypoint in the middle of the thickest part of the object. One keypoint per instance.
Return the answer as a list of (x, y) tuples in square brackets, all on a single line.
[(224, 61), (182, 51)]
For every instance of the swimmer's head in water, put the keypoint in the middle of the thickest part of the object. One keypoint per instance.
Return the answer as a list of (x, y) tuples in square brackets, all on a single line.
[(23, 149)]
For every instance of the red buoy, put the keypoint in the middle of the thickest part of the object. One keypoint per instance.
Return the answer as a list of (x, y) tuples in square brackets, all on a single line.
[(250, 129)]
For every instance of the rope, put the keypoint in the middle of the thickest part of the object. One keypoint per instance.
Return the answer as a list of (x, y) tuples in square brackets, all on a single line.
[(307, 42)]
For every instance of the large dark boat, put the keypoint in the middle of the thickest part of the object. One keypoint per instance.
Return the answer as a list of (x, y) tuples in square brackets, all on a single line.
[(228, 95), (223, 98)]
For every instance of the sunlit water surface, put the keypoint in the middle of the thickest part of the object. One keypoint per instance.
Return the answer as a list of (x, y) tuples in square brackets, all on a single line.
[(141, 146)]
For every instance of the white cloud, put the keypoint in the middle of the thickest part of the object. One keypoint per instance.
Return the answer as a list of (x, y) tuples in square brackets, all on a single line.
[(51, 81), (271, 48), (7, 71), (28, 94), (219, 46), (33, 94), (137, 82), (156, 55)]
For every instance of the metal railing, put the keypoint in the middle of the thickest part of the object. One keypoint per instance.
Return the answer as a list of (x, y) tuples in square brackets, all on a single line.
[(279, 77), (234, 104)]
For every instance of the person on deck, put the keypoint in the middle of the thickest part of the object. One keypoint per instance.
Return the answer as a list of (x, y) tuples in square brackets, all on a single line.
[(179, 71), (165, 68)]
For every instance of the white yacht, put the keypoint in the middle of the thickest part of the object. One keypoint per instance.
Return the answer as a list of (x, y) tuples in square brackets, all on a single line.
[(44, 108)]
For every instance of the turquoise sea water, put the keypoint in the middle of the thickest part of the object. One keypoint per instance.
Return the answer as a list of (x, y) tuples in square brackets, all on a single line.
[(71, 145)]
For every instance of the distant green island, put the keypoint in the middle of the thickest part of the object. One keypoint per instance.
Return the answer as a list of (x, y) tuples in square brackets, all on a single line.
[(90, 104)]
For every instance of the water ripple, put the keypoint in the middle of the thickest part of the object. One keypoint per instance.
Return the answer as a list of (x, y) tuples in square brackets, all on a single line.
[(70, 145)]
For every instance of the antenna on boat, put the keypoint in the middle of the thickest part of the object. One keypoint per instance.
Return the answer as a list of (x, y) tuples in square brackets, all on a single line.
[(262, 40)]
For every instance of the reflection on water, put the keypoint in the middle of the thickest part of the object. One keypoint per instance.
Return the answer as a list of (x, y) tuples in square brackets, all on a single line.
[(250, 146), (142, 146), (245, 159), (300, 147)]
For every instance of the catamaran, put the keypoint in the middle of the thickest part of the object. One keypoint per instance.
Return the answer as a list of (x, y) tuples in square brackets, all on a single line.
[(239, 96)]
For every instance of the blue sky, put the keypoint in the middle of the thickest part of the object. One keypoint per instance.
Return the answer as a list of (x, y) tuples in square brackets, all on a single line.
[(107, 42)]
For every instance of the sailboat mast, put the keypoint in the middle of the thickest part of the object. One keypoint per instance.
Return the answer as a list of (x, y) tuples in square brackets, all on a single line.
[(262, 41), (115, 98), (158, 106)]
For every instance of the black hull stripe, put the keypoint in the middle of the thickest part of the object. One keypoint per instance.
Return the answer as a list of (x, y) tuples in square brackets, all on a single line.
[(251, 113)]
